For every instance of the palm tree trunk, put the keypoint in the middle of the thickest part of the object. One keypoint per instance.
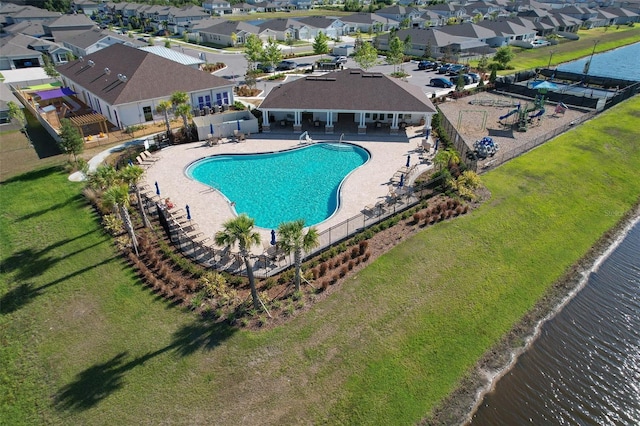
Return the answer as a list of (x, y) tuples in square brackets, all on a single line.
[(166, 121), (124, 214), (143, 213), (252, 281), (297, 258)]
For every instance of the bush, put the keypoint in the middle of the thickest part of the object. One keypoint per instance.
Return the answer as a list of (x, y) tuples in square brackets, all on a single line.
[(322, 269), (362, 246), (417, 217), (355, 252)]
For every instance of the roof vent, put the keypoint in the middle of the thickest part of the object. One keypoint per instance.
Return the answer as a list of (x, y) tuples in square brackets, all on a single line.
[(81, 58), (91, 63), (107, 71), (122, 78)]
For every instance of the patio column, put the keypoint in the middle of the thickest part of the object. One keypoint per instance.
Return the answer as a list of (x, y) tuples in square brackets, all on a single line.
[(362, 125), (297, 121), (266, 126), (329, 127), (427, 125), (394, 124)]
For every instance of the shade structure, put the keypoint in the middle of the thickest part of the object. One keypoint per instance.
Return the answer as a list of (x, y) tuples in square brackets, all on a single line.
[(408, 160), (157, 188), (55, 93), (273, 237), (544, 85), (401, 184), (211, 128), (188, 212)]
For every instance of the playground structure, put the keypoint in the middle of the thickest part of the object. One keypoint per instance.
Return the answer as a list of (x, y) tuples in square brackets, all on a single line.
[(483, 123), (522, 116), (485, 147)]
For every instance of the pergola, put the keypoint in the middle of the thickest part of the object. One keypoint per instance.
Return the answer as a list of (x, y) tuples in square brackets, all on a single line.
[(88, 119)]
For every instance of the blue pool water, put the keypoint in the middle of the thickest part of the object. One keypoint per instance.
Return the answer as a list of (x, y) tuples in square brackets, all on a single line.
[(272, 188)]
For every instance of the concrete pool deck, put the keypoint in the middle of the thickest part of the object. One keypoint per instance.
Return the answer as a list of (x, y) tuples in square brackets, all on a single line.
[(210, 209)]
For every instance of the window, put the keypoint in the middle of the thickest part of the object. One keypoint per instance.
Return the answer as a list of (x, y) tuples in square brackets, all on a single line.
[(148, 116), (389, 115), (375, 115), (367, 114)]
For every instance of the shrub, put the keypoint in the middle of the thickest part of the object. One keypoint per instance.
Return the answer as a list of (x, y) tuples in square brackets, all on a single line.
[(366, 256), (335, 278), (355, 252), (324, 285), (322, 269), (459, 210), (417, 217), (362, 246), (337, 263), (465, 209), (269, 283), (351, 264), (345, 258)]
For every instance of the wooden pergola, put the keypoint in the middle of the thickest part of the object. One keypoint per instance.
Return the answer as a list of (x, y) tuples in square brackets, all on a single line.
[(88, 119)]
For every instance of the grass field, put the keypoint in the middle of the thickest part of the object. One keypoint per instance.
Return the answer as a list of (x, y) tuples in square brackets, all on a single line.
[(84, 343)]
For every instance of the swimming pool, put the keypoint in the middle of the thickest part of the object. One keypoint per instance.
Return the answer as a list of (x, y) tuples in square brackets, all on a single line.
[(272, 188)]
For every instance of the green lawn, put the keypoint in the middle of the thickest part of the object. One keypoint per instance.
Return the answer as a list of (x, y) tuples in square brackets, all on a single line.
[(84, 343), (568, 50)]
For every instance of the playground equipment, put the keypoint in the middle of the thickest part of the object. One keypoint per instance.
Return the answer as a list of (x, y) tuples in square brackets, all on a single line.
[(485, 147), (523, 119)]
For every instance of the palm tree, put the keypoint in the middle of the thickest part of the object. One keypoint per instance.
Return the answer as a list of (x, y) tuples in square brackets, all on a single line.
[(293, 239), (446, 158), (131, 176), (240, 230), (164, 107), (104, 177), (116, 197), (180, 100)]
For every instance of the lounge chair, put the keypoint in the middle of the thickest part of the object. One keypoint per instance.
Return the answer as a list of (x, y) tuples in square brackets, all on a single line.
[(147, 156)]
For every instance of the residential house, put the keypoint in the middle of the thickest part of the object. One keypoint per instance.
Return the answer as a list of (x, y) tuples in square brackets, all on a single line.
[(87, 7), (87, 42), (281, 29), (221, 33), (15, 53), (506, 32), (181, 20), (30, 13), (624, 16), (32, 28), (312, 25), (400, 13), (243, 9), (126, 84), (217, 7), (367, 23)]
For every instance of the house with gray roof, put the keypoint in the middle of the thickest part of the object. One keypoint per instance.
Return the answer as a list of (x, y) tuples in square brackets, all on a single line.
[(220, 33), (350, 98), (69, 23), (280, 29), (506, 32), (312, 25), (84, 43), (624, 16), (217, 7), (126, 84), (440, 43), (182, 19), (87, 7), (367, 22), (30, 13), (32, 28), (15, 53)]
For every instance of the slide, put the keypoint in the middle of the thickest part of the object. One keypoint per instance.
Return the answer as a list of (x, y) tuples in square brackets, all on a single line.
[(540, 113), (509, 114)]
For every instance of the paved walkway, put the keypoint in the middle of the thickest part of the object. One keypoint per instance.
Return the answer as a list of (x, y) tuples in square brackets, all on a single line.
[(210, 208)]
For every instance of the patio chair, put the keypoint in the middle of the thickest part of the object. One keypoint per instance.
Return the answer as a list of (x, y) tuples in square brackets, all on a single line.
[(147, 156)]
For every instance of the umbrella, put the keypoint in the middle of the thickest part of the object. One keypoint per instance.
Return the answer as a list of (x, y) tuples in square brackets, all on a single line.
[(401, 184), (273, 237), (130, 163), (211, 128), (408, 160), (157, 188), (188, 212), (238, 124)]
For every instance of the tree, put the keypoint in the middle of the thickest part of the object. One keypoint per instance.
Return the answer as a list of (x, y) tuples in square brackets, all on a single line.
[(321, 44), (116, 197), (460, 81), (103, 177), (253, 49), (71, 141), (395, 55), (131, 176), (271, 54), (292, 238), (428, 50), (180, 101), (503, 56), (164, 107), (167, 44), (234, 39), (446, 158), (405, 23), (483, 64), (493, 75), (240, 230), (289, 42), (49, 68), (477, 18), (407, 44), (16, 113), (366, 56)]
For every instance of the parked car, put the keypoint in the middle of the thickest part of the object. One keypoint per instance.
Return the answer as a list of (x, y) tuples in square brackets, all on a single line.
[(425, 65), (340, 60), (441, 82), (444, 68), (474, 76), (467, 79), (455, 69), (287, 65), (265, 68)]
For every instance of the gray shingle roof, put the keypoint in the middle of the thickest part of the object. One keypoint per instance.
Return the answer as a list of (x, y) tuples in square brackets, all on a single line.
[(149, 76), (349, 90)]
